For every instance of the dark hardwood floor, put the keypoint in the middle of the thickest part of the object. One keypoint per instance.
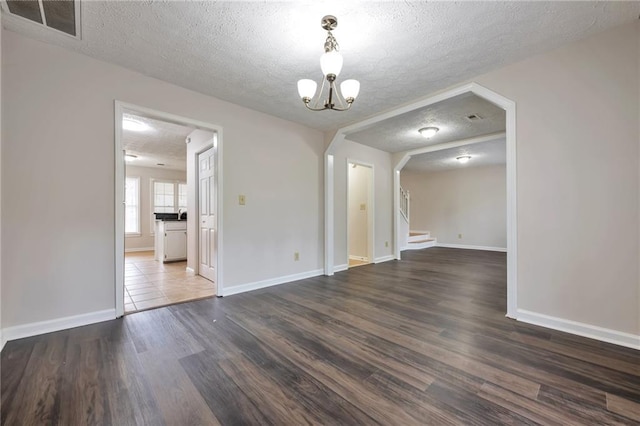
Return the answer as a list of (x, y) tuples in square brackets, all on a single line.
[(421, 341)]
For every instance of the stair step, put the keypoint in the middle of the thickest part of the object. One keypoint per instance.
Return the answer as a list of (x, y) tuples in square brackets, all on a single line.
[(424, 240), (421, 244), (418, 236)]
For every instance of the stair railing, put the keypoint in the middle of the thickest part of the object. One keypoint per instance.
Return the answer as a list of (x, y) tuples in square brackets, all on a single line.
[(405, 200)]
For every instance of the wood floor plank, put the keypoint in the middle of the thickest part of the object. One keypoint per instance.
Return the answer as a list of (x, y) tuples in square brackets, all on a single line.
[(177, 397), (623, 407), (418, 341), (225, 398)]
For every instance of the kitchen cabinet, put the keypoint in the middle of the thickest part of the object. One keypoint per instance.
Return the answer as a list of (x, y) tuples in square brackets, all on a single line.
[(170, 240)]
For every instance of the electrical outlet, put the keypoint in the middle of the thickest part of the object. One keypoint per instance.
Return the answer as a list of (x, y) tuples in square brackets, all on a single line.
[(386, 243), (459, 236), (296, 256), (241, 200)]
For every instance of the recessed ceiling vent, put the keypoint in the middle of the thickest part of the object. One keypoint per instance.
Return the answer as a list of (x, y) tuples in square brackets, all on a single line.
[(59, 15), (473, 118)]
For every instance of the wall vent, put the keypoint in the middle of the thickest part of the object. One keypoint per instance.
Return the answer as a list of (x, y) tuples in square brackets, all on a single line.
[(59, 15), (474, 117)]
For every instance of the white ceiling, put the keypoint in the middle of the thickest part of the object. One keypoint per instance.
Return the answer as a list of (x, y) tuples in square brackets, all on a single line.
[(162, 143), (482, 154), (253, 53), (400, 133)]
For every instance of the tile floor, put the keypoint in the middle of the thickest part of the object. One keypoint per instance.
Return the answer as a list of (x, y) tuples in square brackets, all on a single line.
[(151, 284)]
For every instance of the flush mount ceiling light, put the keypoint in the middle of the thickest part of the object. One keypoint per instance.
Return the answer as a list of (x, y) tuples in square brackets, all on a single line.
[(130, 157), (463, 158), (427, 132), (331, 65), (129, 123)]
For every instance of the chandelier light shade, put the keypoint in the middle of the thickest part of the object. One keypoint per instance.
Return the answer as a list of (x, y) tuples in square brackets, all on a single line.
[(331, 66), (350, 89), (331, 63), (307, 88)]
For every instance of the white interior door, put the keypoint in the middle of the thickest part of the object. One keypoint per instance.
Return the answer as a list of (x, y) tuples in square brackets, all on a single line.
[(207, 208)]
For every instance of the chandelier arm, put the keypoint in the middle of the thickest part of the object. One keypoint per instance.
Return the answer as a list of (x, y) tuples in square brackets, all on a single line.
[(315, 109), (342, 109), (340, 100), (318, 99)]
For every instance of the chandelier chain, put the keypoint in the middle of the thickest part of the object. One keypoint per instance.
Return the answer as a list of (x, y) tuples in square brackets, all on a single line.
[(331, 43)]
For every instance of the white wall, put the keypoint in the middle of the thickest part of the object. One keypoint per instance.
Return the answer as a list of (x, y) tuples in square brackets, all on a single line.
[(383, 196), (58, 153), (359, 184), (146, 175), (468, 200), (577, 178)]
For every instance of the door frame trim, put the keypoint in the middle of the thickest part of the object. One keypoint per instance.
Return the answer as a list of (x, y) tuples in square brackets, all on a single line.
[(119, 109), (371, 217)]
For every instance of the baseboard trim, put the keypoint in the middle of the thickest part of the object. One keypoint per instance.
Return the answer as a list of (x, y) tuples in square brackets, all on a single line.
[(468, 247), (243, 288), (362, 258), (42, 327), (383, 259), (585, 330), (190, 270), (340, 268), (3, 341), (133, 250)]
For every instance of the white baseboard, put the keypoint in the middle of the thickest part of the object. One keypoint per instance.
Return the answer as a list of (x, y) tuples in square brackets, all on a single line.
[(468, 247), (362, 258), (585, 330), (3, 341), (340, 268), (190, 270), (228, 291), (133, 250), (383, 259), (42, 327)]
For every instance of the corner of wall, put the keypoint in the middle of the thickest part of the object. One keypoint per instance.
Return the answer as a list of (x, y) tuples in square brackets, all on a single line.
[(2, 339)]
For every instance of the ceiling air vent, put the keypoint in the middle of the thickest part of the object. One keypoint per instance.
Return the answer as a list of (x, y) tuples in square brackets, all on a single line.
[(474, 117), (60, 15)]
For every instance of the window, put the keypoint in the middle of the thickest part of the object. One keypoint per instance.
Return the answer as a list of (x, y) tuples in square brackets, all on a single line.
[(182, 196), (167, 197), (163, 197), (132, 205)]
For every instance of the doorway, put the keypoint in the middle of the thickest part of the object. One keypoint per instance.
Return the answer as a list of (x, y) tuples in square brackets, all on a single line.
[(174, 276), (400, 160), (360, 213)]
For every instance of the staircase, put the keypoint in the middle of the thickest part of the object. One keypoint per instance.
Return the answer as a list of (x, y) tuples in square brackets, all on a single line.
[(420, 240), (414, 240)]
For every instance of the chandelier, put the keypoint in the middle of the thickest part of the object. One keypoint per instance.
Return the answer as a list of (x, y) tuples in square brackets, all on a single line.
[(331, 65)]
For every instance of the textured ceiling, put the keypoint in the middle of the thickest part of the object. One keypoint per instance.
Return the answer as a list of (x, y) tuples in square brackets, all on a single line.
[(400, 133), (482, 154), (162, 143), (253, 53)]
